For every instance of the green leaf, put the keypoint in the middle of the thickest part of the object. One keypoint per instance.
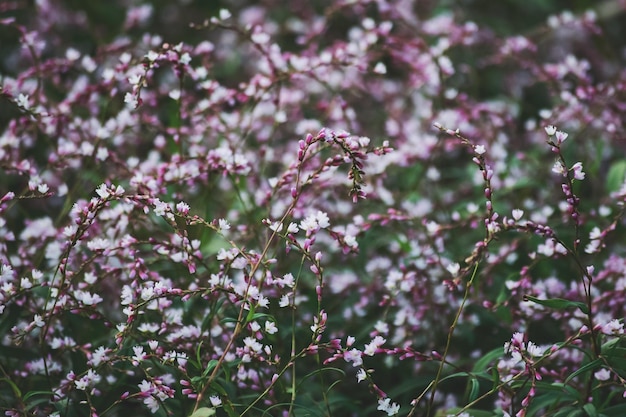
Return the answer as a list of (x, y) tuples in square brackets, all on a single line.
[(610, 345), (470, 411), (250, 315), (558, 303), (211, 365), (617, 360), (198, 353), (541, 402), (456, 375), (615, 177), (570, 412), (615, 410), (203, 412), (495, 377), (590, 409), (230, 410), (14, 387), (474, 390), (588, 367), (31, 394), (219, 389), (489, 357), (257, 316)]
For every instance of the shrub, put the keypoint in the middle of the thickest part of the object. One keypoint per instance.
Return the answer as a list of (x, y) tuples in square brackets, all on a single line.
[(315, 208)]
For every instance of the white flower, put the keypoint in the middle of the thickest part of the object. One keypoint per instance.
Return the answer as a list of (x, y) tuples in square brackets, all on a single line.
[(25, 283), (131, 101), (276, 226), (152, 56), (134, 79), (252, 344), (185, 58), (550, 130), (595, 233), (99, 356), (38, 321), (102, 191), (453, 268), (99, 243), (102, 154), (139, 355), (370, 348), (223, 224), (602, 375), (385, 404), (72, 54), (361, 375), (284, 301), (160, 208), (322, 219), (558, 168), (90, 379), (270, 327), (293, 228), (315, 222), (87, 298), (260, 38), (70, 230), (380, 68), (533, 349), (88, 63), (381, 327), (224, 14), (517, 214), (351, 241), (593, 246), (22, 101)]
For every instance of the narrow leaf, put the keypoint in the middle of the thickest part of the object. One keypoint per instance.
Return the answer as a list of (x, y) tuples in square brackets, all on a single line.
[(474, 390), (482, 363), (588, 367), (590, 409), (558, 303)]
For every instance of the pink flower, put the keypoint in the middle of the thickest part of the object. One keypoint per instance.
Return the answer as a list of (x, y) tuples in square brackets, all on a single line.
[(354, 356), (561, 136), (578, 171), (613, 328)]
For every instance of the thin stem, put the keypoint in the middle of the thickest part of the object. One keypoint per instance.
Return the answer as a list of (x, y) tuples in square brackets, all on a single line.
[(437, 379)]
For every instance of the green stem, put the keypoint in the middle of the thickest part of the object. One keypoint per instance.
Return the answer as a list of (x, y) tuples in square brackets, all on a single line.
[(435, 384)]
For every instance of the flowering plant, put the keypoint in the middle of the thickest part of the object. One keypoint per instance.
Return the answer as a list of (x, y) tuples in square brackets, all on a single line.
[(324, 208)]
